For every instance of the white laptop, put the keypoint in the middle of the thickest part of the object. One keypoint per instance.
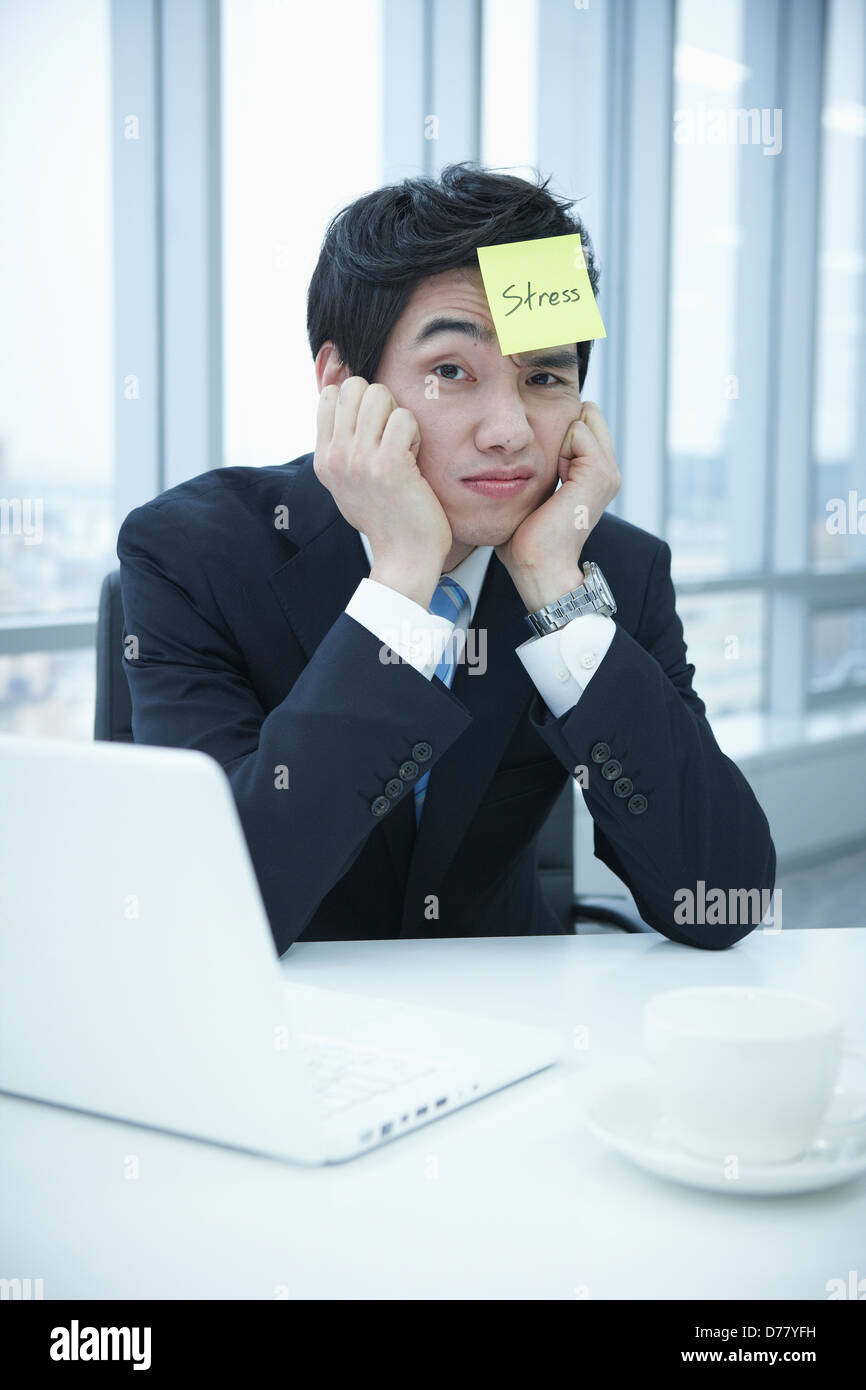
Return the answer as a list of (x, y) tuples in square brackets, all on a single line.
[(139, 978)]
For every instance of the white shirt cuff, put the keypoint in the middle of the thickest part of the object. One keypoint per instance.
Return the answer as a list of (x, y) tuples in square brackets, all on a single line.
[(563, 663), (401, 624)]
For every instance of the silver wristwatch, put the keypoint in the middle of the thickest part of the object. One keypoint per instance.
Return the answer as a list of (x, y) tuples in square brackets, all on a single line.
[(593, 596)]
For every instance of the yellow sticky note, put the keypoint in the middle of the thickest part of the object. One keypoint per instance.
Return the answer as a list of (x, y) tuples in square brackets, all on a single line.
[(539, 293)]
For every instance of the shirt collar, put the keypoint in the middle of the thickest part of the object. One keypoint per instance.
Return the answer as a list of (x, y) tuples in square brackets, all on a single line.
[(469, 574)]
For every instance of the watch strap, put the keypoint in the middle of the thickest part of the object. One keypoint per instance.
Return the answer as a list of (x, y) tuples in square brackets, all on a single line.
[(593, 596)]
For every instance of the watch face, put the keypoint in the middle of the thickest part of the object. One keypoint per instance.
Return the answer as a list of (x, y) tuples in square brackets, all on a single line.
[(598, 586)]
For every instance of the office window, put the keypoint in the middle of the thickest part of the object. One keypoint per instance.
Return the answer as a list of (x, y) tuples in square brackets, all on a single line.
[(301, 137), (839, 436), (56, 420), (509, 87), (712, 487), (49, 694), (310, 119), (725, 635), (838, 652)]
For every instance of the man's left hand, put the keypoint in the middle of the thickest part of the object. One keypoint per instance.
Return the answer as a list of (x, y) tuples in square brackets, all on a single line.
[(543, 555)]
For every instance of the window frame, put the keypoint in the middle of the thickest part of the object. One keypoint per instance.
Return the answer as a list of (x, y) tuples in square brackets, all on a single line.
[(166, 73)]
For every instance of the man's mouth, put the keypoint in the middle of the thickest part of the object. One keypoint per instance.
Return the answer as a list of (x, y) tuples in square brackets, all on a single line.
[(499, 482)]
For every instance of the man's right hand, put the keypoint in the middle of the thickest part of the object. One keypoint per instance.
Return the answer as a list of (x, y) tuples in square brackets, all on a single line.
[(366, 451)]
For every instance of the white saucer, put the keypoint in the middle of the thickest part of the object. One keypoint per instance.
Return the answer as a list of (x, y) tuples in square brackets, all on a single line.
[(628, 1115)]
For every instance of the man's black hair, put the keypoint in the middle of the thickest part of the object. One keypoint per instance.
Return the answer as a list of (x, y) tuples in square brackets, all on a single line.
[(377, 249)]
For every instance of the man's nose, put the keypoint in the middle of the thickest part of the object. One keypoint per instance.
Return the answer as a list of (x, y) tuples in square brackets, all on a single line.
[(505, 426)]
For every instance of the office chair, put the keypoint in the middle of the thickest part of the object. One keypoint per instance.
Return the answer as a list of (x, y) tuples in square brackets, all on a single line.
[(600, 912), (113, 723), (113, 719)]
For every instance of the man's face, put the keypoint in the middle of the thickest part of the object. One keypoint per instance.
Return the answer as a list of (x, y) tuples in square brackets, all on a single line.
[(479, 412)]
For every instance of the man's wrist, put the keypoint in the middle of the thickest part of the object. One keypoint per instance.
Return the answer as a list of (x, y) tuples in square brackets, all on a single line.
[(418, 585), (539, 590)]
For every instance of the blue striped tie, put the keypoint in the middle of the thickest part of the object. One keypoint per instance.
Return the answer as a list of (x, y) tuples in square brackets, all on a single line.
[(449, 602)]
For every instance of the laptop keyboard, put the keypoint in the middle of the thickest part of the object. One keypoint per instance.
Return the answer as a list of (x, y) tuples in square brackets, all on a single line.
[(344, 1074)]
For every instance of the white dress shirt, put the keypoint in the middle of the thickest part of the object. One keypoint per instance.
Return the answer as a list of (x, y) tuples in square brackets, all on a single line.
[(561, 664)]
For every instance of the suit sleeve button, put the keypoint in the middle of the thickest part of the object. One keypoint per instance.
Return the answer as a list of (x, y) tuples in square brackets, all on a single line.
[(422, 752), (380, 805), (408, 770), (637, 803), (624, 787), (611, 770), (600, 752), (394, 788)]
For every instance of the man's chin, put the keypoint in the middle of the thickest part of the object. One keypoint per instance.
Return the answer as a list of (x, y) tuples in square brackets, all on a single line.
[(488, 530), (484, 535)]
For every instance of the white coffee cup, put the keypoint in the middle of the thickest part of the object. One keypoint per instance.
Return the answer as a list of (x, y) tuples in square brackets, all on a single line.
[(743, 1073)]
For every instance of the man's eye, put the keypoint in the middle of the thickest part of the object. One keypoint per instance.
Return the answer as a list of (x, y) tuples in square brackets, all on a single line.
[(554, 380), (449, 366)]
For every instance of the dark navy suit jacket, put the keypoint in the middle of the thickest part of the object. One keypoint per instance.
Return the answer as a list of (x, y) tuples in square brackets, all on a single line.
[(234, 584)]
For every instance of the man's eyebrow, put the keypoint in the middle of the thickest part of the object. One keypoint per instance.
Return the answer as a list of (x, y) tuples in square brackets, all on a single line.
[(479, 332), (552, 359)]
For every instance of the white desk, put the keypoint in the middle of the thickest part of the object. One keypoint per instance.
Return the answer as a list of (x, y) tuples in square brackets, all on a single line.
[(508, 1198)]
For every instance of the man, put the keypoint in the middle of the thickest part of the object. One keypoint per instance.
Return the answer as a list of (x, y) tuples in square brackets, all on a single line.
[(347, 635)]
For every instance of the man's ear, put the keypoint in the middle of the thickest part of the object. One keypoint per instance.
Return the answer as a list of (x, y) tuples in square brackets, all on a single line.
[(328, 367)]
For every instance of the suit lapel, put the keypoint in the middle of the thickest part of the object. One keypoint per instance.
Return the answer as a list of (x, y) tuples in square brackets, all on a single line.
[(325, 560)]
